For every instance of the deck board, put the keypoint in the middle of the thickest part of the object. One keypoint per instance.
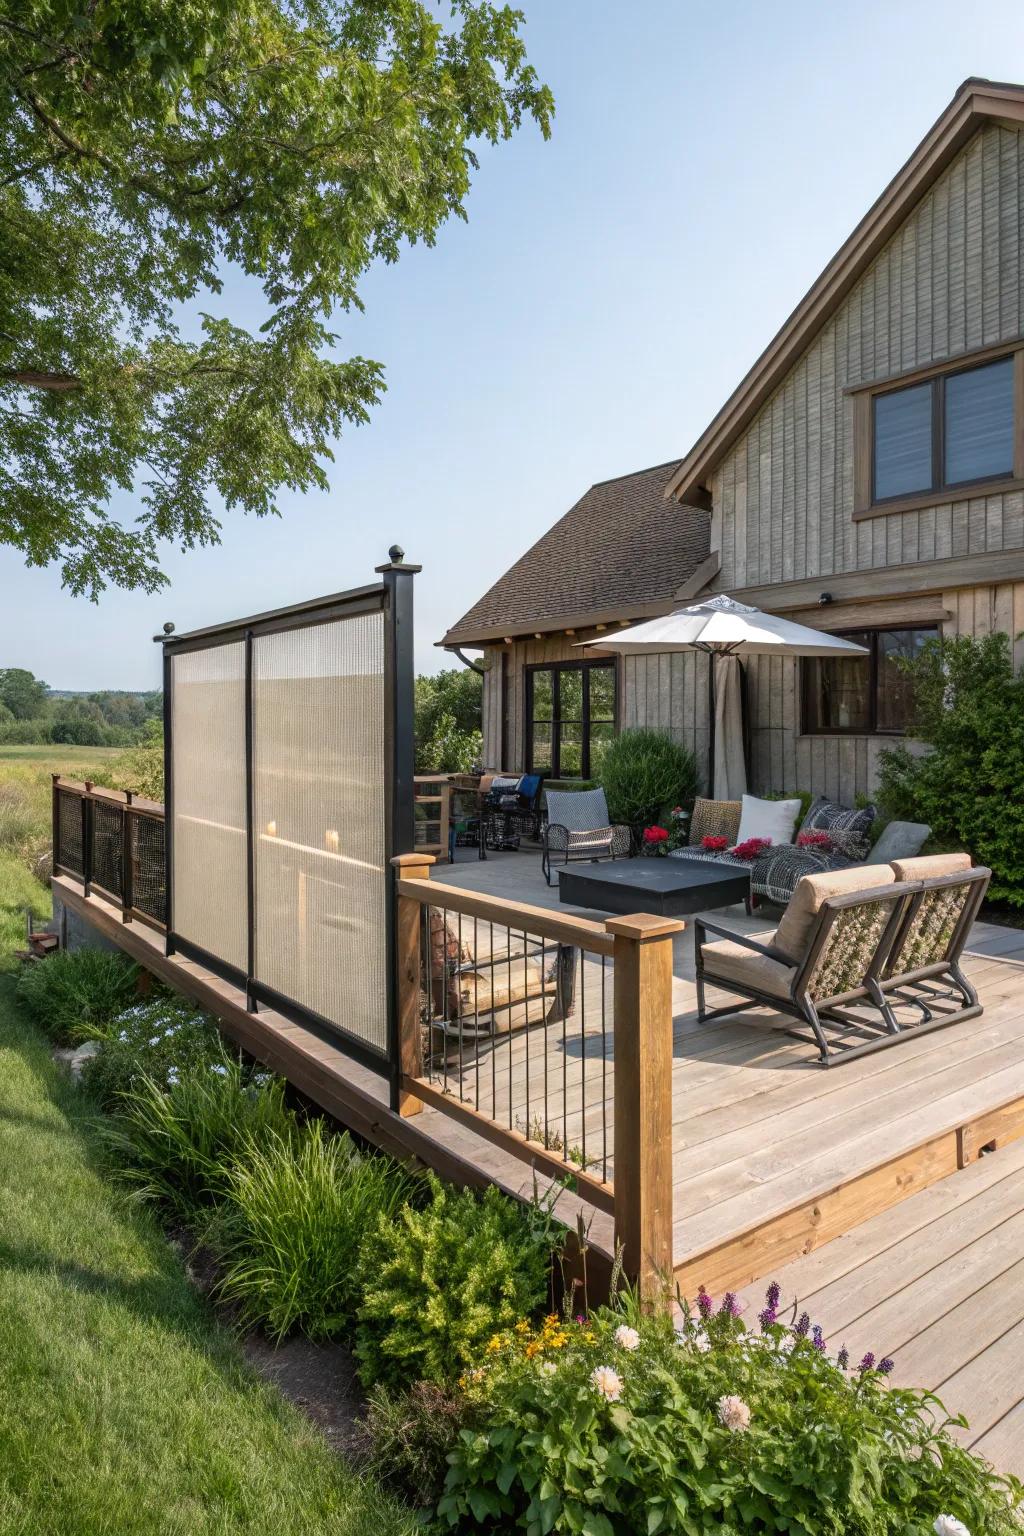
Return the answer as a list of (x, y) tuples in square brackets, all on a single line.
[(937, 1283)]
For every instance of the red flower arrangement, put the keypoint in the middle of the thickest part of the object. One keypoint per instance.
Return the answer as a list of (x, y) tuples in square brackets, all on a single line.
[(813, 840), (714, 844), (752, 847), (654, 835)]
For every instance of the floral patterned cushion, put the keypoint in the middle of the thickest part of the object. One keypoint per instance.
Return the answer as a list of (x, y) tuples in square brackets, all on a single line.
[(849, 830)]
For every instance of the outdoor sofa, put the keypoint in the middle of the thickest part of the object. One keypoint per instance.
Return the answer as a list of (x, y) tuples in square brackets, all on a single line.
[(775, 872), (860, 955)]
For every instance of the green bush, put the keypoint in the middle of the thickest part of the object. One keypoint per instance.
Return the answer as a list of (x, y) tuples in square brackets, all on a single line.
[(177, 1146), (644, 775), (605, 1428), (157, 1039), (441, 1279), (969, 711), (295, 1212), (75, 995)]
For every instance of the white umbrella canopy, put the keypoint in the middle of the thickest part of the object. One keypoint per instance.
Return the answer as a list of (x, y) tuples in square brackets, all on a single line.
[(722, 627), (722, 624)]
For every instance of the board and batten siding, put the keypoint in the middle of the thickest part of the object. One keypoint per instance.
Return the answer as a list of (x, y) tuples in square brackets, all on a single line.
[(948, 281)]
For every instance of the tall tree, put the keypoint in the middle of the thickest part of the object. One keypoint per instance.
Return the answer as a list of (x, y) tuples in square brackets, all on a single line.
[(144, 147), (22, 693)]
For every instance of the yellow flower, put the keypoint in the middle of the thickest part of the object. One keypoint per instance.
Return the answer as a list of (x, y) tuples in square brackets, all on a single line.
[(522, 1327), (495, 1343), (589, 1337), (533, 1348)]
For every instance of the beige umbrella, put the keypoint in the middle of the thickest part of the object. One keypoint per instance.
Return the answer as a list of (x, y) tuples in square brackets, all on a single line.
[(721, 627)]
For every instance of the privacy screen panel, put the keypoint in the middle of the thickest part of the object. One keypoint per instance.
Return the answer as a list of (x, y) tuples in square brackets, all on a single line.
[(208, 848), (319, 821)]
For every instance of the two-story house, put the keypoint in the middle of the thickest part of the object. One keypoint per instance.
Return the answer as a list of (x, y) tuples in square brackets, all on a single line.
[(865, 477)]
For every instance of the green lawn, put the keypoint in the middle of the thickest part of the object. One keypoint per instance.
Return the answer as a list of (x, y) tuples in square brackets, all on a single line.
[(124, 1409)]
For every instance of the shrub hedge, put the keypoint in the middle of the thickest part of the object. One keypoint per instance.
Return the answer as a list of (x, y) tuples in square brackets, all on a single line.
[(76, 995), (645, 775)]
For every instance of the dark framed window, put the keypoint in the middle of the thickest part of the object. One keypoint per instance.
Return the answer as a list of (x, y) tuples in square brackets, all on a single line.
[(955, 428), (570, 717), (862, 695)]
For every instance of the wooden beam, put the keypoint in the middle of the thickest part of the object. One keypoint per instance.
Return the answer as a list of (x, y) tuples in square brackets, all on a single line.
[(986, 569), (409, 924), (518, 916), (699, 579), (643, 1101)]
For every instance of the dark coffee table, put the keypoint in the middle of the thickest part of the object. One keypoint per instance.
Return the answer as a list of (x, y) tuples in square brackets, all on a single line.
[(666, 887)]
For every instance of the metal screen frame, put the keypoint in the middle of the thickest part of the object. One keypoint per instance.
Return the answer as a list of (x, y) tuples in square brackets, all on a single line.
[(392, 597)]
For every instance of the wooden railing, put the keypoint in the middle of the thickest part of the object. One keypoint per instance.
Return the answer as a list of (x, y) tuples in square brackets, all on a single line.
[(551, 1036), (432, 801), (114, 840)]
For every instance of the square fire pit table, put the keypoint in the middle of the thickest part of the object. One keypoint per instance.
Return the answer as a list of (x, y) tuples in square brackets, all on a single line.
[(666, 887)]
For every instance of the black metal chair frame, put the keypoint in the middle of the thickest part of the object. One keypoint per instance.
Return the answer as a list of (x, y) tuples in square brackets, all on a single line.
[(882, 984)]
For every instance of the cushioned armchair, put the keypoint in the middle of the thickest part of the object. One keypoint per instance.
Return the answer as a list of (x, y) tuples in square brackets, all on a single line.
[(579, 827)]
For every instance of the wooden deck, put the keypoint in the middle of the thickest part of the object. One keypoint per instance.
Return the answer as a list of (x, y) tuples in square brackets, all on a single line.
[(937, 1283), (772, 1156)]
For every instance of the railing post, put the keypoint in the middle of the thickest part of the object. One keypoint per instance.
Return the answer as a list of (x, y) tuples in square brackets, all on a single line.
[(642, 1174), (408, 923), (127, 895), (55, 814), (87, 849)]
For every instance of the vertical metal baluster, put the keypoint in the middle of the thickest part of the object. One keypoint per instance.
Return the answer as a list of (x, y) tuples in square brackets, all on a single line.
[(425, 929), (508, 1032), (462, 1056), (604, 1073), (565, 1083), (476, 1013), (444, 994), (494, 1045), (526, 1005), (544, 1025), (583, 1057)]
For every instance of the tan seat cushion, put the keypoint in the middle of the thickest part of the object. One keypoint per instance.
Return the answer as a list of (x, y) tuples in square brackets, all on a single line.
[(932, 866), (729, 962), (811, 893)]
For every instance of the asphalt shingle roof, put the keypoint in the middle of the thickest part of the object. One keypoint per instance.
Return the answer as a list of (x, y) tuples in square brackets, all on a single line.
[(622, 549)]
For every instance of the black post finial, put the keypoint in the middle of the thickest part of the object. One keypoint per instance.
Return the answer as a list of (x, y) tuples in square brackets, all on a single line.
[(168, 628), (396, 553)]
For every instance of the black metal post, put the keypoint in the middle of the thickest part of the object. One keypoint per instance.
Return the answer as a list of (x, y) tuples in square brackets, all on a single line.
[(55, 818), (250, 845), (87, 820), (168, 804), (127, 897), (399, 765)]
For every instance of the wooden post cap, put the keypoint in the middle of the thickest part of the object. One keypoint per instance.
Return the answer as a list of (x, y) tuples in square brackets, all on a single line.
[(413, 860), (643, 925)]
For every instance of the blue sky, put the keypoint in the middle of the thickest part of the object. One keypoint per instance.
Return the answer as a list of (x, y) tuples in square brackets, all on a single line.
[(608, 292)]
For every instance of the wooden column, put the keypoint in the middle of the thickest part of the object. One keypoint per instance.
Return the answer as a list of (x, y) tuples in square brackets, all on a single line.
[(409, 866), (643, 1101)]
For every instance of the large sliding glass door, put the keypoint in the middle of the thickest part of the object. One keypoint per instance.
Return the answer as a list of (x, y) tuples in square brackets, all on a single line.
[(570, 717)]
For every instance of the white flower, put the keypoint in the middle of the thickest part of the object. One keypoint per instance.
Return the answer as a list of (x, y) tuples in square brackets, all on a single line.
[(949, 1525), (155, 1040), (735, 1415), (123, 1036), (627, 1338), (607, 1381), (221, 1070), (172, 1077), (548, 1367)]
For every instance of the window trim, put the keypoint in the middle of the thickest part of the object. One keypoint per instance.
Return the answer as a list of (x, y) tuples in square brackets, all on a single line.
[(865, 503), (872, 728), (609, 662)]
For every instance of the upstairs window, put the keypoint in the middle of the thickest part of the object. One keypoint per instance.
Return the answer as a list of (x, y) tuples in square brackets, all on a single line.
[(957, 429)]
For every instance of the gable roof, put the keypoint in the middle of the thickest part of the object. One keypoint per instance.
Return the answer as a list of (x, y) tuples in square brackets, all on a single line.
[(623, 551), (976, 102)]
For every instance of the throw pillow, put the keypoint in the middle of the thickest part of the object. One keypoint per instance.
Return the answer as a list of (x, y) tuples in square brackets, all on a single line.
[(849, 830), (771, 819)]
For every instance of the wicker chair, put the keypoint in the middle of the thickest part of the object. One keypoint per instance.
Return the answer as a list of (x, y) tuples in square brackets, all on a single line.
[(844, 959), (579, 827)]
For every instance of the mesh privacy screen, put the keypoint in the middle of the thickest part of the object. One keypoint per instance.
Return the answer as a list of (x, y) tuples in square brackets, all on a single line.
[(319, 821), (107, 846), (147, 844), (209, 876), (69, 832)]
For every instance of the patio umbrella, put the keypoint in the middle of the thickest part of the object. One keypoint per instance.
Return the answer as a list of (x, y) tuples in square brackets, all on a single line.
[(722, 627)]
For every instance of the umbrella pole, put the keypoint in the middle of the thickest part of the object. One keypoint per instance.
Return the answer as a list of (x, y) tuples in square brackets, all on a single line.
[(711, 723)]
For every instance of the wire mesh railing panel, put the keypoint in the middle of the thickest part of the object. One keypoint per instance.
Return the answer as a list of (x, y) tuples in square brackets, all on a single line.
[(518, 1027), (208, 801), (107, 846), (69, 842), (319, 822), (148, 884)]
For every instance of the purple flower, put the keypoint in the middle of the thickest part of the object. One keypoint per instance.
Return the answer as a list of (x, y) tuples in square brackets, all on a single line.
[(767, 1318), (818, 1339), (773, 1294), (887, 1366), (803, 1325), (730, 1306), (867, 1363), (704, 1303), (843, 1358)]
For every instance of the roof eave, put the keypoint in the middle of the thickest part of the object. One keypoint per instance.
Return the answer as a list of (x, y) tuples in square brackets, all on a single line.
[(976, 102)]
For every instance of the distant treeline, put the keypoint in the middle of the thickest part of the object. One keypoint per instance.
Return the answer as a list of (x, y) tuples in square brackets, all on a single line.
[(31, 713)]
